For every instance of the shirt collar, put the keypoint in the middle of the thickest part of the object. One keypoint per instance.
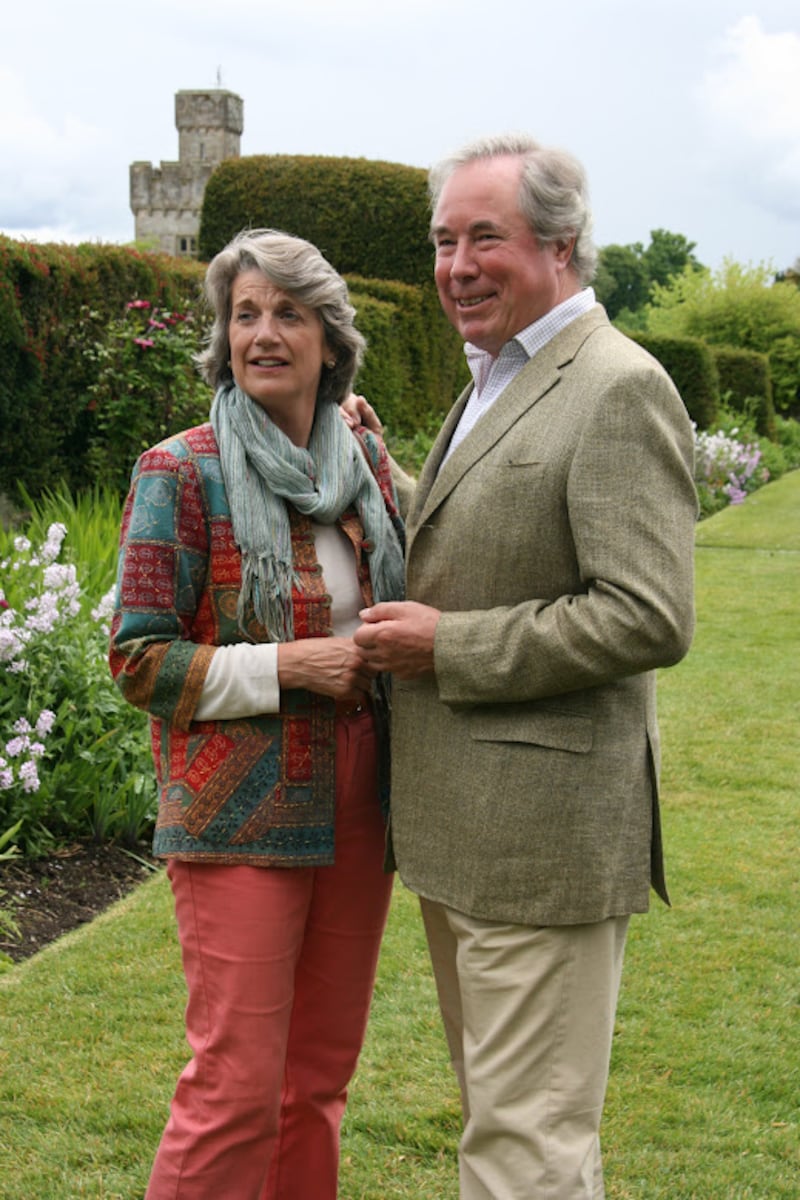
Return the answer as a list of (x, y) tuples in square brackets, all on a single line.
[(534, 336)]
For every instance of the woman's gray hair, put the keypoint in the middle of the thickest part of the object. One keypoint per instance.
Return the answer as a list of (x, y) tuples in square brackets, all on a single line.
[(297, 267), (553, 197)]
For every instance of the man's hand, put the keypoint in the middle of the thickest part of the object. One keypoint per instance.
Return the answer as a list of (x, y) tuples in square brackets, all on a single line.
[(357, 410), (398, 636)]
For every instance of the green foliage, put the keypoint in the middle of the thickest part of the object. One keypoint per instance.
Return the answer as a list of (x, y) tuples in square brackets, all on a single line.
[(745, 383), (627, 274), (621, 280), (368, 218), (146, 386), (55, 301), (690, 364), (737, 306), (74, 757), (415, 364)]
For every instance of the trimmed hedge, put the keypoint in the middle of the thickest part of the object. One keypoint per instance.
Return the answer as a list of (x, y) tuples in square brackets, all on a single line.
[(415, 364), (368, 218), (691, 365), (745, 384), (55, 301)]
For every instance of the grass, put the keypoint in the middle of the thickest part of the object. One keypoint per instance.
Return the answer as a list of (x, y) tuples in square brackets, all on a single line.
[(703, 1099)]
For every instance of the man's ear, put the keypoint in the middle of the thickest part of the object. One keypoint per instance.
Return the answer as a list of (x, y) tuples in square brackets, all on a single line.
[(564, 249)]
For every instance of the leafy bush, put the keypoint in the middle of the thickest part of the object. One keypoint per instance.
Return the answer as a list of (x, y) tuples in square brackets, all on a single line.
[(74, 757), (690, 364), (146, 386), (745, 384), (737, 306)]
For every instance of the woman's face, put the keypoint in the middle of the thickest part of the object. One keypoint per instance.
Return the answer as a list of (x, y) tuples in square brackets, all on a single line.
[(277, 351)]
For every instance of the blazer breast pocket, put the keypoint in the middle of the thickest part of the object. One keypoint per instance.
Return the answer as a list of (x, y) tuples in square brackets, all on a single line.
[(550, 727)]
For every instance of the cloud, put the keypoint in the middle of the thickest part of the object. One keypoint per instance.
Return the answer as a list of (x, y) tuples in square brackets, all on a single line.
[(52, 163), (751, 96)]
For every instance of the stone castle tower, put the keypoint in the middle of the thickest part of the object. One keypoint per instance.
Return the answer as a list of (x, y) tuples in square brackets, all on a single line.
[(166, 200)]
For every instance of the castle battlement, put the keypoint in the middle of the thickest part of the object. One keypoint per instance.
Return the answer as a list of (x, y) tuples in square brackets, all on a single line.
[(166, 200)]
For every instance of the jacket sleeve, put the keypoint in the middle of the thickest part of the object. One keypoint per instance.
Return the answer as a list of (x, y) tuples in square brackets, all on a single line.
[(162, 567)]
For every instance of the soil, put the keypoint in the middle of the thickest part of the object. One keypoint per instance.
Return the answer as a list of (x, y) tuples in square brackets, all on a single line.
[(47, 897)]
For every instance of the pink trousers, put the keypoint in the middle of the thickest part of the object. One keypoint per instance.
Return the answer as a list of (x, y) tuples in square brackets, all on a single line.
[(280, 966)]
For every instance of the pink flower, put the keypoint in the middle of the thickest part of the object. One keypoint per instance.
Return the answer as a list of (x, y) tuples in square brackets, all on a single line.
[(156, 324), (145, 343), (138, 304)]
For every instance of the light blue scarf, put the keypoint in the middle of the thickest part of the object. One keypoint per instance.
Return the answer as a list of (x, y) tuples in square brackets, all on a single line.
[(262, 468)]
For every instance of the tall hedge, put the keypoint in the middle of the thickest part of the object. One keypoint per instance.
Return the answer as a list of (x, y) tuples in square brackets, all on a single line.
[(368, 218), (415, 364), (745, 384), (54, 302), (691, 365)]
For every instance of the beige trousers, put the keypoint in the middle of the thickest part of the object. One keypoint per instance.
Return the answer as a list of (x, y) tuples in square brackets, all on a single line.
[(529, 1017)]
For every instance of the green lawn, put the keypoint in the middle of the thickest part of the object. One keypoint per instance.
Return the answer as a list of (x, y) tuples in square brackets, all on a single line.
[(705, 1091)]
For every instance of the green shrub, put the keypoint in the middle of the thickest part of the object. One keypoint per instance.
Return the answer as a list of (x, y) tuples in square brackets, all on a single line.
[(737, 306), (368, 218), (745, 384), (691, 366), (146, 387), (55, 302), (415, 364)]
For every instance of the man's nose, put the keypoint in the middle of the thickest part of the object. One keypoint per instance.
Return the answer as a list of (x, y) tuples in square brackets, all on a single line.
[(463, 264)]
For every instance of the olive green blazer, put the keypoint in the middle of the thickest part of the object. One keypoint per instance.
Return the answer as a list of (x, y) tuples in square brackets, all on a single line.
[(558, 542)]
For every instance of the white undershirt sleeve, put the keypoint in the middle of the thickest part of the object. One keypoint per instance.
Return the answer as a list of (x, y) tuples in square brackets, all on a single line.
[(242, 681)]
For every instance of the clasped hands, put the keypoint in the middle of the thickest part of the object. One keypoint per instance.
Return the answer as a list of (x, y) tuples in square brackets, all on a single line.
[(398, 636)]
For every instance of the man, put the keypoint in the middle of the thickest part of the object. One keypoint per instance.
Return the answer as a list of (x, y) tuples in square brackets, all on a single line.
[(549, 573)]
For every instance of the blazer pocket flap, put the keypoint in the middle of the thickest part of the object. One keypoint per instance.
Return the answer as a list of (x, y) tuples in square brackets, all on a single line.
[(547, 727)]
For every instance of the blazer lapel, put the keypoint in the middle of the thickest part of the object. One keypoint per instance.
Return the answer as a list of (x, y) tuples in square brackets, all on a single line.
[(535, 379)]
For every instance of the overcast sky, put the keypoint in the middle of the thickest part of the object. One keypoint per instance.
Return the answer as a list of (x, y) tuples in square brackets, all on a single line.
[(686, 113)]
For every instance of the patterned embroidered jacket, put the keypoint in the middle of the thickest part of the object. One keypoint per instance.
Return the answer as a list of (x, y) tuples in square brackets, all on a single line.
[(258, 790)]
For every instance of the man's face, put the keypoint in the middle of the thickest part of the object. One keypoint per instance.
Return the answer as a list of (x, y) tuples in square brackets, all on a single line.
[(493, 277)]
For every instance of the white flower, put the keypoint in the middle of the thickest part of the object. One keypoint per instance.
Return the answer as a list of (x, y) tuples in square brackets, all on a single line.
[(45, 722)]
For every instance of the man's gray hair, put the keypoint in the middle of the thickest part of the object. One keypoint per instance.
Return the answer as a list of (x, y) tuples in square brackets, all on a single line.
[(554, 193), (297, 267)]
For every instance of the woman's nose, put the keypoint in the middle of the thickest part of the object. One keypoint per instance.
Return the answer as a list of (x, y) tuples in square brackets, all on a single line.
[(264, 332)]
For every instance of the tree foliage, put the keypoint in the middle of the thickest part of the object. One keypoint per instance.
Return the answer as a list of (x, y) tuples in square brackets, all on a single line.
[(627, 274)]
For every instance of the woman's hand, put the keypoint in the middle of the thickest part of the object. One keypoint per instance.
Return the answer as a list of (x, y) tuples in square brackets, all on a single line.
[(332, 666), (357, 410)]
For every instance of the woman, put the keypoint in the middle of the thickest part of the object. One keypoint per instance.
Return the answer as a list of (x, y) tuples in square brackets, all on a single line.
[(248, 546)]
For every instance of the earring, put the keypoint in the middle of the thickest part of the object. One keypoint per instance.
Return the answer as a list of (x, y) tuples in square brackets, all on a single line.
[(330, 364)]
